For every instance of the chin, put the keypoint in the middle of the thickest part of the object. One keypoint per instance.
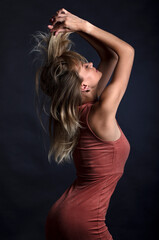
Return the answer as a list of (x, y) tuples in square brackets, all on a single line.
[(100, 74)]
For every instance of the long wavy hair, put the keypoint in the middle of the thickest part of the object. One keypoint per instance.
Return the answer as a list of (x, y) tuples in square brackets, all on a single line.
[(58, 78)]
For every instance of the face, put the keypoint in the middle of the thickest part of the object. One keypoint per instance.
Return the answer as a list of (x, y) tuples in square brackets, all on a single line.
[(90, 74)]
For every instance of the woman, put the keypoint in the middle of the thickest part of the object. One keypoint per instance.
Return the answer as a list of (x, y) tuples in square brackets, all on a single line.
[(83, 110)]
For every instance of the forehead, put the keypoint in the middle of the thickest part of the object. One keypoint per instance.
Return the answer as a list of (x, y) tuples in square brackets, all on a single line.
[(80, 65)]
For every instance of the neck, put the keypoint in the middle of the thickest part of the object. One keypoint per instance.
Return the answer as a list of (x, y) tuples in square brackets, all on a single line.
[(89, 97)]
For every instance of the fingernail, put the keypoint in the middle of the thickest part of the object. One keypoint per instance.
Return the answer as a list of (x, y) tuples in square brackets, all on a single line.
[(51, 20)]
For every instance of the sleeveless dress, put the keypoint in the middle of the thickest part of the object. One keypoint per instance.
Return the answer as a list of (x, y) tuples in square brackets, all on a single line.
[(79, 214)]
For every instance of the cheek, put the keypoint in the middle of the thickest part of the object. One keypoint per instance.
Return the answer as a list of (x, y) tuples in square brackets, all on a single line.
[(95, 79), (100, 74)]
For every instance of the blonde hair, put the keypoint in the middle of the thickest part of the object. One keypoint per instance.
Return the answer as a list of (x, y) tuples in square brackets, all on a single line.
[(58, 78)]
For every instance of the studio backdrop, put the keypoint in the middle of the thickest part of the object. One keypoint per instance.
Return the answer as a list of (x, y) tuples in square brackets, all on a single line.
[(29, 184)]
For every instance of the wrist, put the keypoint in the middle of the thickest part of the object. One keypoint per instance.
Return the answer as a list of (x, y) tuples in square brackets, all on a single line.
[(88, 27), (85, 26)]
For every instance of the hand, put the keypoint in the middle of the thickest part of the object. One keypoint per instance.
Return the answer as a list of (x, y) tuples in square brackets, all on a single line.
[(64, 21)]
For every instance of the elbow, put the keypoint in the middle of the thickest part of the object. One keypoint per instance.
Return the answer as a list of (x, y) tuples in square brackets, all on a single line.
[(132, 53), (128, 50), (131, 50), (128, 54)]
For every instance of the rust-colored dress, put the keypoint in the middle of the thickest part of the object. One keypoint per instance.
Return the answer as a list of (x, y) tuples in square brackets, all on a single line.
[(79, 214)]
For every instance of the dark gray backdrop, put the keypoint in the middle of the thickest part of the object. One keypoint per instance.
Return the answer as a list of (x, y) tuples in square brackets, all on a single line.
[(29, 185)]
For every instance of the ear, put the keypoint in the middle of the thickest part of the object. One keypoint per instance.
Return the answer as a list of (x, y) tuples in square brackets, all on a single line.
[(85, 88)]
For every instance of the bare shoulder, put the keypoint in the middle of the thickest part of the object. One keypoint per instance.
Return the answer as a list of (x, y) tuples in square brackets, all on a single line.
[(103, 123)]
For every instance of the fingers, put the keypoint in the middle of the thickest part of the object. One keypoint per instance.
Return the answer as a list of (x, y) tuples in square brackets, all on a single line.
[(52, 19), (62, 10), (59, 13), (50, 26), (60, 26), (56, 32), (61, 30), (58, 21)]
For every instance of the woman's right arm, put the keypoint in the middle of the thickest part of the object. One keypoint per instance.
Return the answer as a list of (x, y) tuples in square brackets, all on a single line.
[(106, 38), (113, 93)]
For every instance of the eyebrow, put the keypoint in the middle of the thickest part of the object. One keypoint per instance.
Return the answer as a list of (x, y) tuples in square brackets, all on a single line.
[(84, 63)]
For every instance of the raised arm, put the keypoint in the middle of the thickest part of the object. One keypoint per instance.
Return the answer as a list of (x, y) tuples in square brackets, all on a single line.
[(108, 60), (113, 93)]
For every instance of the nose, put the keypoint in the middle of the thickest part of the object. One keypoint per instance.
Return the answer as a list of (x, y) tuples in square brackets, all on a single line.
[(91, 64)]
